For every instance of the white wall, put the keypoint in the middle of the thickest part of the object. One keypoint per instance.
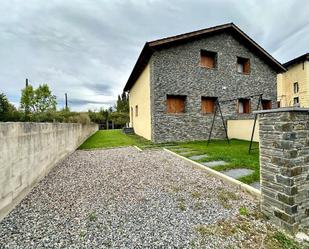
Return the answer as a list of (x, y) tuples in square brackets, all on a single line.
[(242, 129), (28, 151)]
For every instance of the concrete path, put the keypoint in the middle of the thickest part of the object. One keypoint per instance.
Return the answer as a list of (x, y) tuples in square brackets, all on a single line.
[(123, 198)]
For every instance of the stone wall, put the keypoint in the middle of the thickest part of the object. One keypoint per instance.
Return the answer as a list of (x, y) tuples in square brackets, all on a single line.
[(176, 70), (284, 163), (29, 150)]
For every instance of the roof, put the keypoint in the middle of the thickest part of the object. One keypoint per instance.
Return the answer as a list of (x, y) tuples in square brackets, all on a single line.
[(299, 59), (152, 46)]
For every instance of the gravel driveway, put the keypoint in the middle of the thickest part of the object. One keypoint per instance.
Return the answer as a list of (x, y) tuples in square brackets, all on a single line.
[(123, 198)]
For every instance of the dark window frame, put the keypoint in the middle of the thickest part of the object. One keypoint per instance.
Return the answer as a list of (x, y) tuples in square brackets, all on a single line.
[(211, 98), (296, 87), (175, 97), (244, 100)]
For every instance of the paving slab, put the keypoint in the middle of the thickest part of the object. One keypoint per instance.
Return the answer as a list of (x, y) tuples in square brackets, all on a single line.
[(214, 163), (236, 173), (256, 185), (198, 157)]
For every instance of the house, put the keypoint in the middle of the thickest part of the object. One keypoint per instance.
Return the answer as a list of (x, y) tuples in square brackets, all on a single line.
[(293, 85), (176, 81)]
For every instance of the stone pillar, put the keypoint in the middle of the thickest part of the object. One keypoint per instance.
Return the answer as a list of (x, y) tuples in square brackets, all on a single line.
[(284, 165)]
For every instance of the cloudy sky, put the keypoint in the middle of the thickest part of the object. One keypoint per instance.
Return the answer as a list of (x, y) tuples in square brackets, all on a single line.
[(88, 48)]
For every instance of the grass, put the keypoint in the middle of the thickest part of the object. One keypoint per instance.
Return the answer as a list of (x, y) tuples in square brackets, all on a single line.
[(113, 138), (235, 154)]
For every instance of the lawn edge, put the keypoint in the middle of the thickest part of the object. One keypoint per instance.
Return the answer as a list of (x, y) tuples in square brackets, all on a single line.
[(242, 186)]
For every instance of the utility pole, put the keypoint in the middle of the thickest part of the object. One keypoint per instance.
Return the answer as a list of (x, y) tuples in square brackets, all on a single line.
[(66, 101)]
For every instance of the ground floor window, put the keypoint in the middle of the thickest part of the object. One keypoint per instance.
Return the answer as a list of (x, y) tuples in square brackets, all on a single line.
[(266, 104), (296, 101), (175, 103), (208, 104), (136, 111), (243, 106)]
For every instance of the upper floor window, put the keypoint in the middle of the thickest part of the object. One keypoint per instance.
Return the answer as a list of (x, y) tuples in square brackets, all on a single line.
[(208, 104), (175, 103), (243, 105), (296, 87), (208, 59), (266, 104), (243, 65), (136, 111)]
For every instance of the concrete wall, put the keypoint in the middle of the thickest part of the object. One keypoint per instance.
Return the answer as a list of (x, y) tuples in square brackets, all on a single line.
[(284, 165), (242, 129), (285, 87), (27, 153), (139, 95), (176, 70)]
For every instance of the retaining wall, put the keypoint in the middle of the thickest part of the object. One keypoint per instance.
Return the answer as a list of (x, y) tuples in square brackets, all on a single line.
[(28, 151)]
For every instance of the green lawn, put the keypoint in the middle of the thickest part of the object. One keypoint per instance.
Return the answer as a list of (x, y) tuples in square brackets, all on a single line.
[(113, 138), (235, 153)]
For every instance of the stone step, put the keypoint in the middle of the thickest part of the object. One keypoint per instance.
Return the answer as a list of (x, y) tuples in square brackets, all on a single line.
[(198, 157), (237, 173), (256, 185), (214, 163)]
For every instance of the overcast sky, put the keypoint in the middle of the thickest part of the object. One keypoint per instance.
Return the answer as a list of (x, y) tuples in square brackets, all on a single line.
[(88, 48)]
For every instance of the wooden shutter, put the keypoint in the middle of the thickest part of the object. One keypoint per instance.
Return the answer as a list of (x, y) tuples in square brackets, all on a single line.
[(175, 104), (246, 105), (208, 104), (208, 59), (246, 66), (266, 104)]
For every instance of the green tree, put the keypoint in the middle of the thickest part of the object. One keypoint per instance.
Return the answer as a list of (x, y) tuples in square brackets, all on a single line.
[(122, 104), (7, 110), (37, 100)]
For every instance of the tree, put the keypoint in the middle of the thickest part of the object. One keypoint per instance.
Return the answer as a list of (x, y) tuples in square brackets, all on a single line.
[(122, 104), (7, 110), (37, 100)]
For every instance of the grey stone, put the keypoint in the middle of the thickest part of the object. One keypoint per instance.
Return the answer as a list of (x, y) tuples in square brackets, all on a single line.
[(198, 157), (237, 173), (256, 185), (214, 163)]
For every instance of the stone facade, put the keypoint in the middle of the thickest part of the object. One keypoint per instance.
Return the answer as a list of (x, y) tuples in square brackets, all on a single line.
[(176, 71), (284, 163)]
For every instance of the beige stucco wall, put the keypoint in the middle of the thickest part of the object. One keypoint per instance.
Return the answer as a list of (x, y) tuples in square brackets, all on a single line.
[(285, 88), (242, 129), (29, 151), (140, 95)]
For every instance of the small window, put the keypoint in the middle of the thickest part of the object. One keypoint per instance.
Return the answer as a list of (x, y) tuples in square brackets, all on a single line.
[(208, 59), (296, 87), (243, 65), (208, 104), (175, 103), (296, 101), (243, 105), (278, 104), (266, 104), (136, 111)]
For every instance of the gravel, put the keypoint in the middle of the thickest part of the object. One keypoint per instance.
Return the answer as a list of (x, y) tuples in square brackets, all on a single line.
[(123, 198)]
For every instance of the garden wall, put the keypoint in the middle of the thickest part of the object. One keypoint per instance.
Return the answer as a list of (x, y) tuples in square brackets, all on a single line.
[(242, 129), (28, 151)]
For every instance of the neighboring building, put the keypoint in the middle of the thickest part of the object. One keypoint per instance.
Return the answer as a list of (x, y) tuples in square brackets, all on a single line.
[(176, 81), (293, 85)]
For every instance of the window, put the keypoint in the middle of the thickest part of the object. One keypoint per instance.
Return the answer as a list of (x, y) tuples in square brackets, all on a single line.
[(243, 105), (208, 104), (175, 103), (243, 65), (296, 87), (278, 104), (208, 59), (266, 104), (296, 101), (136, 111)]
